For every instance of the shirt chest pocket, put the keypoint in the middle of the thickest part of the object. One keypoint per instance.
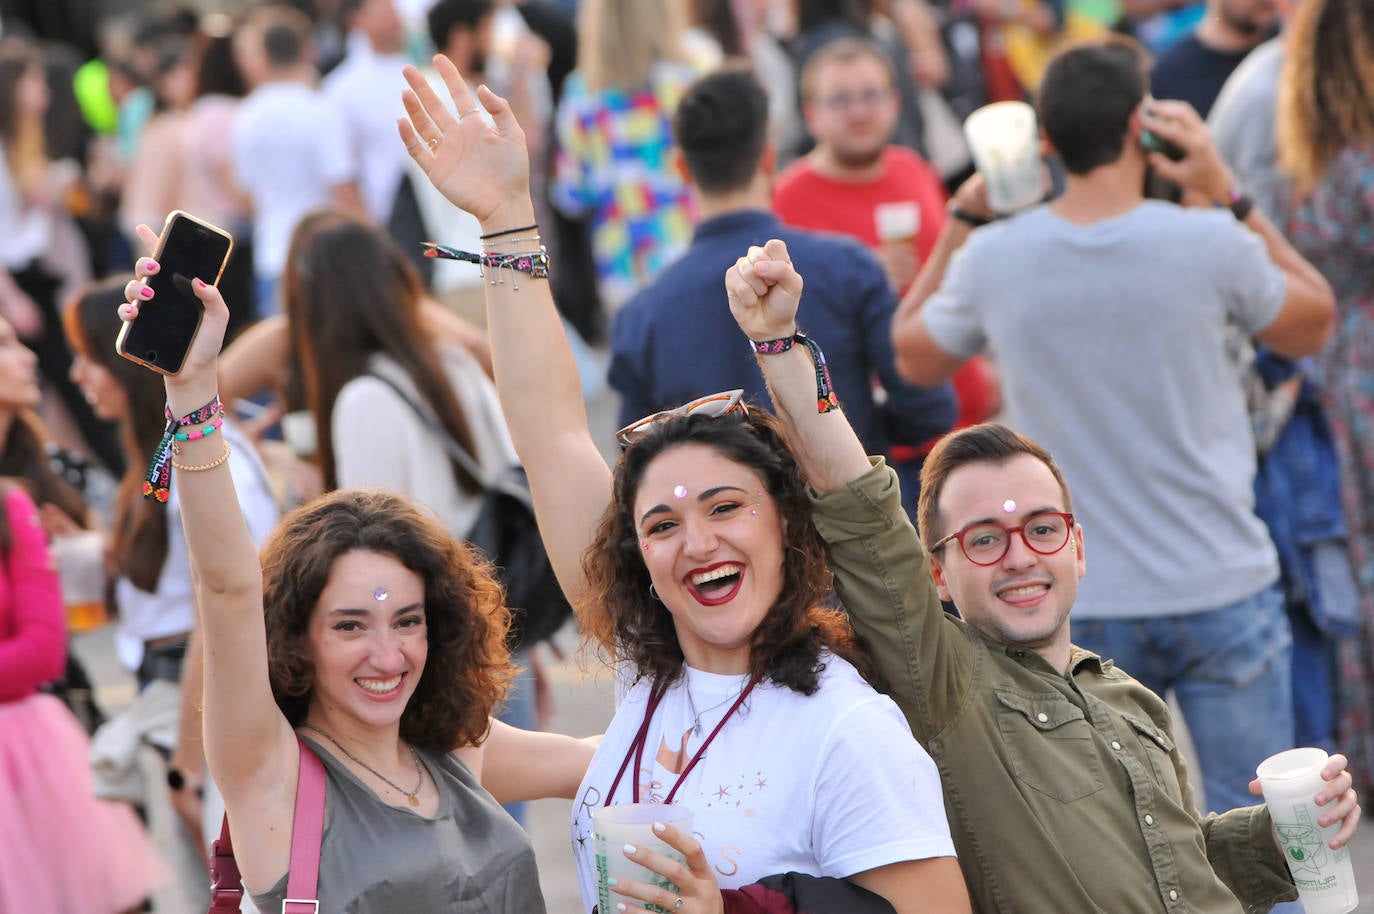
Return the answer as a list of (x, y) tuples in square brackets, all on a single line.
[(1049, 744), (1158, 749)]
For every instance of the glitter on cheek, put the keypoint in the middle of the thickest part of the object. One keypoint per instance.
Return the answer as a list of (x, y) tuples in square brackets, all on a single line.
[(1009, 506), (679, 491)]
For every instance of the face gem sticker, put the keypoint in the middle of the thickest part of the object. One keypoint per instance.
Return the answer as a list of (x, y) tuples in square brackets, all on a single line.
[(679, 491), (380, 594), (1009, 506)]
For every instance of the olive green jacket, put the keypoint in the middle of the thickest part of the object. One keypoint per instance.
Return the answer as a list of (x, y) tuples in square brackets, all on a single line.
[(1065, 793)]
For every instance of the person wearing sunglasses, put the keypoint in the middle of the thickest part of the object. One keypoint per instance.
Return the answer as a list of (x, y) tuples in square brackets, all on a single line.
[(1063, 780), (695, 567)]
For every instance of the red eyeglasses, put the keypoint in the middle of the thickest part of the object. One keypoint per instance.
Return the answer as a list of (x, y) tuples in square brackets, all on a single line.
[(986, 543)]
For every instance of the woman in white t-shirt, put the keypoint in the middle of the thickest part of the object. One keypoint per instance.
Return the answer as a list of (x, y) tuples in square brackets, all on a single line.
[(705, 581)]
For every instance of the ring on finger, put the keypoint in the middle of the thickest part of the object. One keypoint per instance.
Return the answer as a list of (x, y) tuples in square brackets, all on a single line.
[(677, 905), (414, 145), (433, 144), (473, 110)]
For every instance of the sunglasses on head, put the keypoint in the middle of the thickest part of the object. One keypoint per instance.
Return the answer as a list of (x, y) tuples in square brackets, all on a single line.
[(714, 405)]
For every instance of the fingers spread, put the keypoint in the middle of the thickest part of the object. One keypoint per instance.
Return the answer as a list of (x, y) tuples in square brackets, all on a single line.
[(437, 115), (457, 86)]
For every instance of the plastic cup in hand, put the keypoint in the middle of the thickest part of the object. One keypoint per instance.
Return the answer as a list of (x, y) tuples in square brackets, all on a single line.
[(1005, 143), (897, 222), (1325, 878), (80, 561), (616, 826)]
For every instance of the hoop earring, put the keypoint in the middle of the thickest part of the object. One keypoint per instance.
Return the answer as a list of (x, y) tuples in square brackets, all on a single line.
[(653, 593)]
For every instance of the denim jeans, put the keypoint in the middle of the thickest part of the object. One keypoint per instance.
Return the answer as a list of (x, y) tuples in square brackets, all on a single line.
[(1230, 669), (518, 711)]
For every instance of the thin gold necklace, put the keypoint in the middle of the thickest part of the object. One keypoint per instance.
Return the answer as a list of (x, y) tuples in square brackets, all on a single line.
[(412, 795)]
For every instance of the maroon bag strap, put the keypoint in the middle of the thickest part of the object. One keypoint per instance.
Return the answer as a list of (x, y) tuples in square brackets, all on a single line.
[(307, 831)]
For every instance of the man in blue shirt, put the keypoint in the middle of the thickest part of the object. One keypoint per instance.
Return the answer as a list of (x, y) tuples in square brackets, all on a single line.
[(675, 340)]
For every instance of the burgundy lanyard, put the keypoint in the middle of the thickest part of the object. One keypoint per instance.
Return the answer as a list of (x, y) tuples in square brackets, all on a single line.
[(636, 750)]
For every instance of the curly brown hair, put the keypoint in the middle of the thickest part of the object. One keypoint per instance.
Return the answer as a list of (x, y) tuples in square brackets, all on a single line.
[(1326, 93), (468, 669), (619, 615)]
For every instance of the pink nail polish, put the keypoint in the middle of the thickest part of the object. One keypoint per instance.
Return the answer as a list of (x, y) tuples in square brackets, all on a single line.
[(200, 284), (152, 266), (145, 292)]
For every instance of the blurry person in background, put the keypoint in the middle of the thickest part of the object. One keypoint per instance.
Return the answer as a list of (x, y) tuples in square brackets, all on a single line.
[(41, 253), (156, 639), (290, 147), (364, 88), (1326, 147), (1195, 69), (613, 133)]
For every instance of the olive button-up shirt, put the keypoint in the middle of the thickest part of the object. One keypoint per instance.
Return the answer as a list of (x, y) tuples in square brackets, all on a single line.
[(1065, 790)]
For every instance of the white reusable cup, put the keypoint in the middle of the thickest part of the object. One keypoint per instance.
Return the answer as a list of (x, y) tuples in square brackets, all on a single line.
[(1325, 878), (298, 431), (1005, 143), (616, 826)]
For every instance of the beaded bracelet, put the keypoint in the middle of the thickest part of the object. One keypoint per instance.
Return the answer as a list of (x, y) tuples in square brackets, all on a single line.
[(201, 467), (535, 263), (825, 391), (202, 422)]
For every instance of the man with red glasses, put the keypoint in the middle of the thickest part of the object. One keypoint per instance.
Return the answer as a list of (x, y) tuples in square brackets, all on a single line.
[(1063, 783)]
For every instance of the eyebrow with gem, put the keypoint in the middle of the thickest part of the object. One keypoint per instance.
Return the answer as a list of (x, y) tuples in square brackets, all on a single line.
[(704, 496)]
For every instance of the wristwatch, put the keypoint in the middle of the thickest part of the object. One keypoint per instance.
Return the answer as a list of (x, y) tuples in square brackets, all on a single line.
[(971, 219), (1238, 202)]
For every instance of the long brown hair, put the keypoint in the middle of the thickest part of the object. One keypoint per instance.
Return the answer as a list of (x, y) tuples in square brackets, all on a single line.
[(25, 458), (1326, 93), (139, 545), (630, 625), (21, 135), (350, 293), (468, 668)]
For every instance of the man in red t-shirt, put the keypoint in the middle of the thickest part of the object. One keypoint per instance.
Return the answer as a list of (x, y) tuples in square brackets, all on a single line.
[(857, 183)]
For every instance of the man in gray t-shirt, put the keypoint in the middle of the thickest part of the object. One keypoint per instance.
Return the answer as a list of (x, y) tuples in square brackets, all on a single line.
[(1105, 314)]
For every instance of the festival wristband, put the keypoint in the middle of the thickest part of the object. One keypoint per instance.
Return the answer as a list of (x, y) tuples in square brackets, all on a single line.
[(825, 391)]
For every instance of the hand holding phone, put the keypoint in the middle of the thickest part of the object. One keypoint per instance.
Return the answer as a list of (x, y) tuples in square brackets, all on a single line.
[(161, 336)]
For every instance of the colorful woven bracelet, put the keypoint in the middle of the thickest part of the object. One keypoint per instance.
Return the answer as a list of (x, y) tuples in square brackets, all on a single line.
[(157, 482), (825, 390), (534, 263)]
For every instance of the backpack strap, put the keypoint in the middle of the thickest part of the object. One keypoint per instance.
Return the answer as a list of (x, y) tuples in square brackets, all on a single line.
[(307, 833)]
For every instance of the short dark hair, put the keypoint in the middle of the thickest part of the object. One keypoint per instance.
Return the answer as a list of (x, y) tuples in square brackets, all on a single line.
[(631, 624), (1086, 99), (985, 443), (468, 668), (446, 15), (721, 126), (284, 31)]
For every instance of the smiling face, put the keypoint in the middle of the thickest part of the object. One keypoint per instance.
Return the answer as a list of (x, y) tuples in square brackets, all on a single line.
[(1025, 598), (18, 380), (714, 556), (368, 640)]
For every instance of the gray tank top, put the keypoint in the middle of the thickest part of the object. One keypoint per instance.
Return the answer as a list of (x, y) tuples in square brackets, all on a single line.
[(471, 858)]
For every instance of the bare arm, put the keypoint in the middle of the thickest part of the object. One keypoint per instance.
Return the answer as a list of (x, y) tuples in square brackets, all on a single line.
[(1306, 318), (486, 172), (515, 765), (256, 360), (920, 359), (250, 748)]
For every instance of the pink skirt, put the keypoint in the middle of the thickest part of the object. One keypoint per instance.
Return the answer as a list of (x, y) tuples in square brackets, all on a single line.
[(62, 850)]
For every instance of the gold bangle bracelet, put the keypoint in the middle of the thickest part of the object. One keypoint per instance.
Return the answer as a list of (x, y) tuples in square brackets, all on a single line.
[(199, 467)]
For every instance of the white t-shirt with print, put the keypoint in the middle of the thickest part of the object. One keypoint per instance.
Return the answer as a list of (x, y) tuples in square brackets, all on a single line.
[(829, 784)]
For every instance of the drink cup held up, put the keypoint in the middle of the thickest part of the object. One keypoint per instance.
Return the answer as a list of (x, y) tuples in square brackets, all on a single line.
[(616, 826), (1325, 878), (1005, 142), (80, 559)]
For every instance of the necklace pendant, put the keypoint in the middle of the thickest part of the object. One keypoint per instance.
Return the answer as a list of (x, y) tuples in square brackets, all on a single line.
[(414, 801)]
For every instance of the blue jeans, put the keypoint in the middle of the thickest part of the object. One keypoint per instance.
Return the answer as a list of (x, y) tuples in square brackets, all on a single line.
[(518, 711), (1230, 669)]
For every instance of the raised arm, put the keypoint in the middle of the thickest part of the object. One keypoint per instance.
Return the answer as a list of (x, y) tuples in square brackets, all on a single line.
[(249, 745), (486, 172), (764, 290)]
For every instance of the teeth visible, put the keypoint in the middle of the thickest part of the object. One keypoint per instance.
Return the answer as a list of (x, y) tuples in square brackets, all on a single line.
[(379, 686), (723, 571), (1026, 591)]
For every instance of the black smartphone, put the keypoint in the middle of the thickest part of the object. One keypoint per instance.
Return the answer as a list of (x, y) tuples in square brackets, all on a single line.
[(160, 337)]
